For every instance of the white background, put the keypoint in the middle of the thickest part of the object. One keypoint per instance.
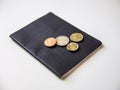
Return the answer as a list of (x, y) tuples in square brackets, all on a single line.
[(99, 18)]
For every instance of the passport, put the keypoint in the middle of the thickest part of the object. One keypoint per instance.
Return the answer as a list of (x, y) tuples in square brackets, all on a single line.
[(57, 59)]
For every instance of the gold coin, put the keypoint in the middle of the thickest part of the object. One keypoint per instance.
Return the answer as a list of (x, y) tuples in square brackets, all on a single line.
[(76, 37), (72, 46), (49, 42)]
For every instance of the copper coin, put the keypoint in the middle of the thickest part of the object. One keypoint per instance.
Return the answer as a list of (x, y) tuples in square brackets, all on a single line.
[(49, 42)]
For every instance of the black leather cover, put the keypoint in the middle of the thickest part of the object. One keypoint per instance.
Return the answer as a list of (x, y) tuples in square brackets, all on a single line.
[(57, 59)]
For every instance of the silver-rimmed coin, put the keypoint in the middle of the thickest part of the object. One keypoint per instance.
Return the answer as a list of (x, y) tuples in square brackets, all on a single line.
[(62, 40)]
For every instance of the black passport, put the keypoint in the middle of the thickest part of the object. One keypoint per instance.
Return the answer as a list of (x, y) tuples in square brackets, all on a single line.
[(58, 59)]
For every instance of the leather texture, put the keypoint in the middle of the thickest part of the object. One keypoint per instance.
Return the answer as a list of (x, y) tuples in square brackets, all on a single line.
[(58, 59)]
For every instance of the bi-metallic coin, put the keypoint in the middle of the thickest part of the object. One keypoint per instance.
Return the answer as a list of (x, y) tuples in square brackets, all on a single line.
[(62, 40)]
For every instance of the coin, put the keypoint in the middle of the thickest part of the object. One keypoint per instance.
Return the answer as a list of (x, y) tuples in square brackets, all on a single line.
[(76, 37), (72, 46), (49, 42), (62, 40)]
